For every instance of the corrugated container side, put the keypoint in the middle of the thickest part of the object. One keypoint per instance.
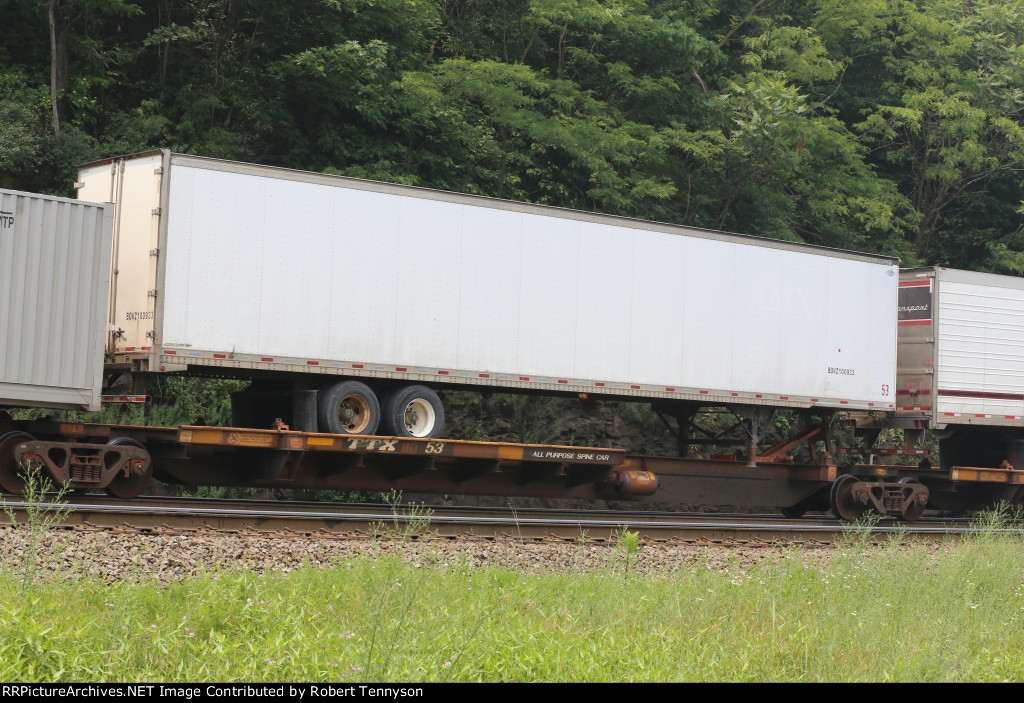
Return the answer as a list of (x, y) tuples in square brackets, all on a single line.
[(979, 348), (54, 273)]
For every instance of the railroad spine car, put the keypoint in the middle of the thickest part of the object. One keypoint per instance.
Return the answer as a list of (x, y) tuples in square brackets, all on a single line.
[(368, 295), (352, 300)]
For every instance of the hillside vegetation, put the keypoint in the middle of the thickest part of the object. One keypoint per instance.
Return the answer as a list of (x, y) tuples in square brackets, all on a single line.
[(891, 126)]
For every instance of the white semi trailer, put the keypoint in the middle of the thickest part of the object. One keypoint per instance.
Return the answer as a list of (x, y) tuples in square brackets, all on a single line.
[(367, 296)]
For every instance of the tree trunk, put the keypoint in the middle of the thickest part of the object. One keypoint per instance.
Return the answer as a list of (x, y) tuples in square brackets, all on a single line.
[(57, 15)]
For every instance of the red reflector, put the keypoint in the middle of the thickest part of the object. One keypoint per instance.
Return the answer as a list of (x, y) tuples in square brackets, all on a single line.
[(844, 402), (979, 415), (443, 373), (670, 390), (736, 394), (266, 358), (871, 405), (146, 348), (598, 384), (401, 368), (129, 348), (357, 366), (220, 356), (759, 396), (783, 397), (527, 378), (814, 400), (634, 386), (704, 392), (484, 375), (949, 414), (313, 363), (561, 381), (169, 351), (1010, 417)]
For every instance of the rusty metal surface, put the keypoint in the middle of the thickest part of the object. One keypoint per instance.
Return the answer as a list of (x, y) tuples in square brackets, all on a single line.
[(77, 466), (212, 456)]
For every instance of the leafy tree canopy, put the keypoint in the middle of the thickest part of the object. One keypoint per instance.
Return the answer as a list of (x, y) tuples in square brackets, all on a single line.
[(882, 125)]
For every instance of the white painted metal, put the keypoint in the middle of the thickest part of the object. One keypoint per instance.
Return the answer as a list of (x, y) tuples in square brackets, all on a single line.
[(54, 273), (979, 356), (270, 268), (134, 184)]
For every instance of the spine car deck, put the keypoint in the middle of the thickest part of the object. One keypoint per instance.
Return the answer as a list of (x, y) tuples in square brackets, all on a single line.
[(124, 460)]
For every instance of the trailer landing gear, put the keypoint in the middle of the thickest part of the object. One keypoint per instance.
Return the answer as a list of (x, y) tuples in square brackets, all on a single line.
[(851, 497)]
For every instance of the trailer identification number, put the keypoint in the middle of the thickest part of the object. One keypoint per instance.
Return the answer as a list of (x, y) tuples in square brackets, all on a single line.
[(139, 315), (841, 372)]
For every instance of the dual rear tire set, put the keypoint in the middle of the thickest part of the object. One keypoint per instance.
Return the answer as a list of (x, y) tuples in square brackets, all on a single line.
[(352, 407)]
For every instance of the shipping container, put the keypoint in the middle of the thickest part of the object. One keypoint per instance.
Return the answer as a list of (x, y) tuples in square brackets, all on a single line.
[(223, 265), (55, 258)]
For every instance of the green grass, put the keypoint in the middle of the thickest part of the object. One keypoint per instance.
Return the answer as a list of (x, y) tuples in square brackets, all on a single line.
[(900, 612)]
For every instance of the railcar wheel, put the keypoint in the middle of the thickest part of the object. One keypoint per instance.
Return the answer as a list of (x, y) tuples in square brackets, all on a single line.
[(11, 474), (913, 512), (844, 505), (349, 407), (413, 411), (134, 485)]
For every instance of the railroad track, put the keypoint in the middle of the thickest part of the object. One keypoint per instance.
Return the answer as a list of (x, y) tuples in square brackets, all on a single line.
[(361, 521)]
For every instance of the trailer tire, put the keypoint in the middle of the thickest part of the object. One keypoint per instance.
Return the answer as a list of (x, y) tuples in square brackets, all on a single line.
[(349, 407), (413, 411)]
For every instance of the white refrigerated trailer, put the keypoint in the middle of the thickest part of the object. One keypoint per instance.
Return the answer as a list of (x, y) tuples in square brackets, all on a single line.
[(54, 273), (961, 344), (360, 291)]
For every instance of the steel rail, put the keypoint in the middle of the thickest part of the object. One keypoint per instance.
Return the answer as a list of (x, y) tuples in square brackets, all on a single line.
[(448, 523)]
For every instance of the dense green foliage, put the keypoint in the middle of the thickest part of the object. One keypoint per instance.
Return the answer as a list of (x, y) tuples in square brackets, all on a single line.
[(885, 125)]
